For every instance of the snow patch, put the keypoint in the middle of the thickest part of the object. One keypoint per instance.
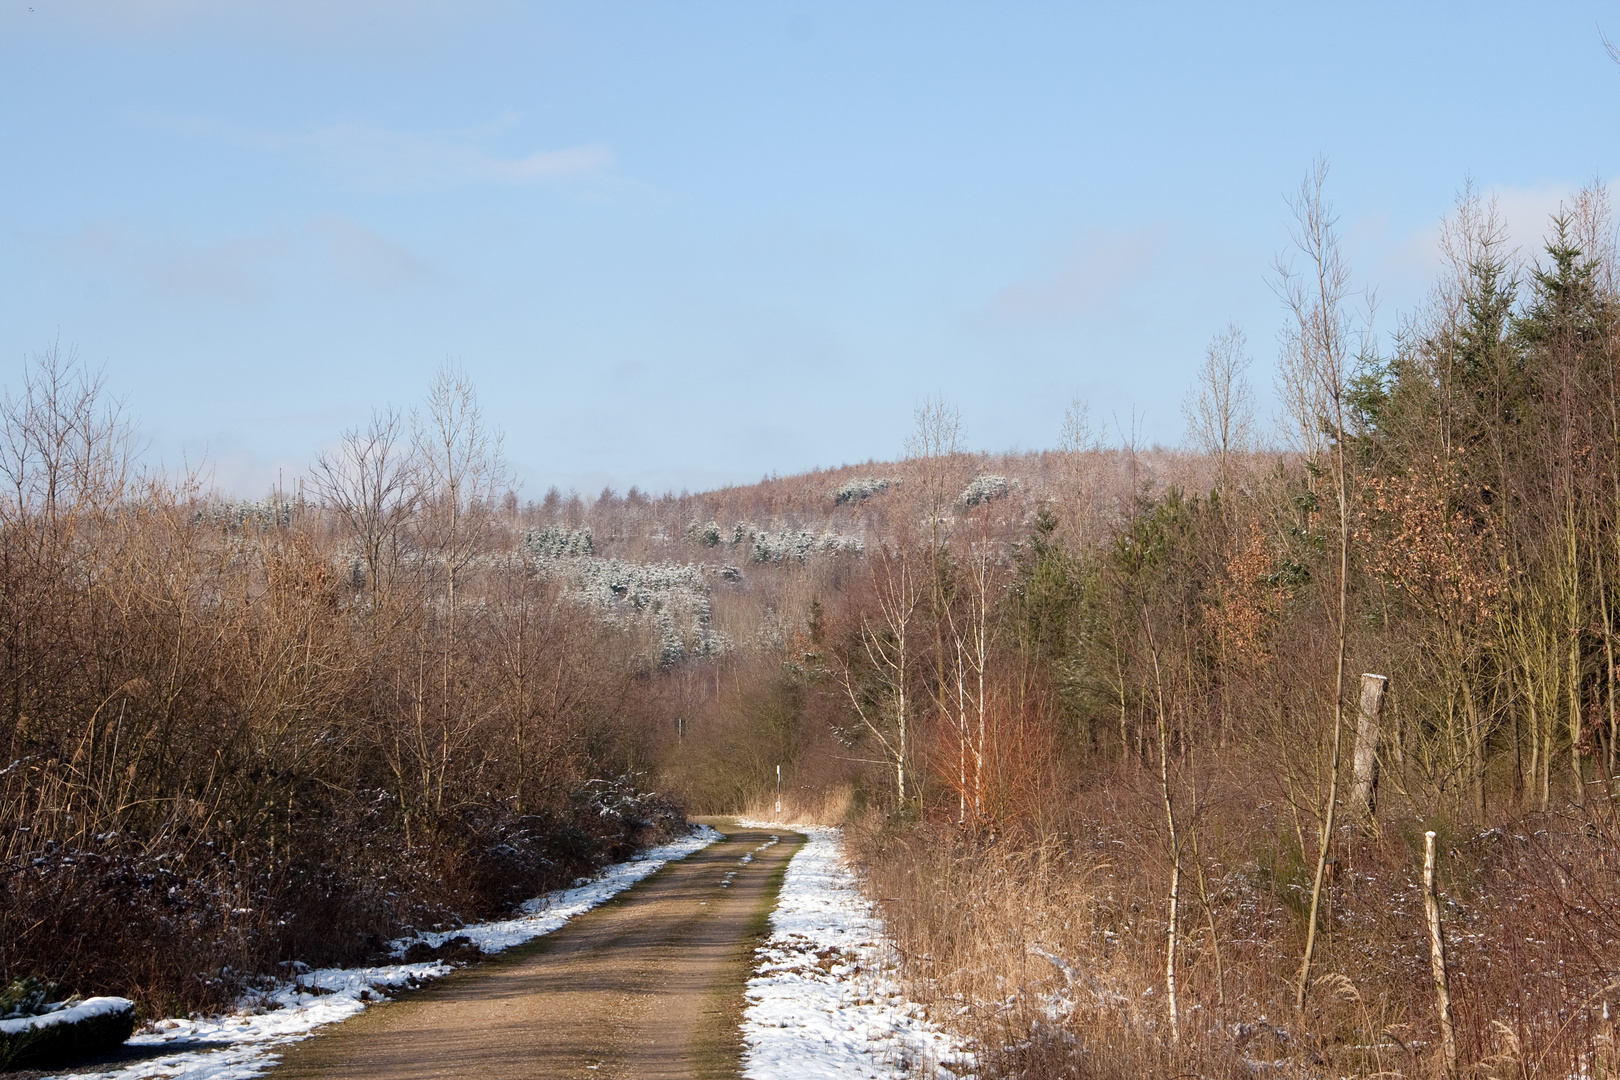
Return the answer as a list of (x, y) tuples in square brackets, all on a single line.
[(242, 1045), (544, 914), (823, 1001), (70, 1014)]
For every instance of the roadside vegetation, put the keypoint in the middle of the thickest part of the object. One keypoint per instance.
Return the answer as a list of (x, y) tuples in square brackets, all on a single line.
[(242, 735), (1158, 822)]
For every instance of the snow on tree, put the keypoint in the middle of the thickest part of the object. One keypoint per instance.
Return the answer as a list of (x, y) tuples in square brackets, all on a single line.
[(794, 545), (863, 487), (984, 488), (706, 535), (554, 541), (238, 515), (672, 597)]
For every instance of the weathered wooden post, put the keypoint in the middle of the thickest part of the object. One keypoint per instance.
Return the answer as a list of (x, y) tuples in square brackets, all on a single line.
[(1437, 958), (1364, 768)]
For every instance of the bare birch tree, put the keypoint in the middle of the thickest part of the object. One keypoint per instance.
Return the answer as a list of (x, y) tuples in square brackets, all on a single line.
[(1220, 407), (936, 474), (1315, 375), (462, 473), (932, 450), (888, 654)]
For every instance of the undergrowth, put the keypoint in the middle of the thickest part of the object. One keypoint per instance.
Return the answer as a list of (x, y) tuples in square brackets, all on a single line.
[(1047, 949)]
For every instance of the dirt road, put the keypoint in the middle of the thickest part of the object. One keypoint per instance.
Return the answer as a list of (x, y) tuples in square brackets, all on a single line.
[(647, 986)]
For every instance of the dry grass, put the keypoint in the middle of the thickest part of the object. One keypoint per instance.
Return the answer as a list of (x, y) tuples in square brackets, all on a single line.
[(1047, 951), (830, 807)]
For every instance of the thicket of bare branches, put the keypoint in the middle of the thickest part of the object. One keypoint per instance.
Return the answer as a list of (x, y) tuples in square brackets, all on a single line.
[(241, 734)]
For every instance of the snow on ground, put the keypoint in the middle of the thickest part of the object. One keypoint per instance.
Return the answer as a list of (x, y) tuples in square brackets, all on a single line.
[(242, 1045), (823, 1001), (544, 914), (87, 1009)]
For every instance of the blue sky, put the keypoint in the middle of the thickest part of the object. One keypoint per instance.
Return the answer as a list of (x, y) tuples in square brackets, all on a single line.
[(685, 244)]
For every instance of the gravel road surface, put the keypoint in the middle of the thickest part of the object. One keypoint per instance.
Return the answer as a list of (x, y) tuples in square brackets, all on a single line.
[(647, 986)]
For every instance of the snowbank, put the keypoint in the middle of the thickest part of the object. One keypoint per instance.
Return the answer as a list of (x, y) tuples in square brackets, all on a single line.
[(544, 914), (823, 1001), (82, 1028), (87, 1009), (241, 1045)]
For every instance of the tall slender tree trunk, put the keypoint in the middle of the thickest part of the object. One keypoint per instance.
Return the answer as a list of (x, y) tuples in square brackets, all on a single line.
[(1573, 628), (1328, 816), (1172, 1002)]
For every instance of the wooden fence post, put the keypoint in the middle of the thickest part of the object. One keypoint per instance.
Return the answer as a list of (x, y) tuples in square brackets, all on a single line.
[(1437, 958), (1364, 769)]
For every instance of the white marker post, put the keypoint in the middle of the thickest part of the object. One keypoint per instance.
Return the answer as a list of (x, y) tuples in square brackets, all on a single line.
[(779, 793)]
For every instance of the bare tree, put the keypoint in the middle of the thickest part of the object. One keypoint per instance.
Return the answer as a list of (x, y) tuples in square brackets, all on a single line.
[(936, 472), (888, 647), (462, 475), (931, 452), (371, 480), (1315, 369), (964, 700), (462, 471), (1220, 406), (66, 454), (66, 446), (1082, 445), (1173, 836)]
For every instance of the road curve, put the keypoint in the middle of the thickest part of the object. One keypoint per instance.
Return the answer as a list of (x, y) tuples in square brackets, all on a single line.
[(648, 986)]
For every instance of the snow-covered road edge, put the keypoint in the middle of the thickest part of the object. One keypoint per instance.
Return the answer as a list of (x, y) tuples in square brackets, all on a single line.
[(823, 1001), (243, 1044)]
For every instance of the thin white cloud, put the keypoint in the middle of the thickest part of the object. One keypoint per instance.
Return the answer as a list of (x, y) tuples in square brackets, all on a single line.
[(378, 158), (246, 269), (367, 257), (1089, 276), (232, 269)]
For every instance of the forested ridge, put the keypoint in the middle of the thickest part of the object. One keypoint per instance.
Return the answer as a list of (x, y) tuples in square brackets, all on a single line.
[(1095, 717)]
